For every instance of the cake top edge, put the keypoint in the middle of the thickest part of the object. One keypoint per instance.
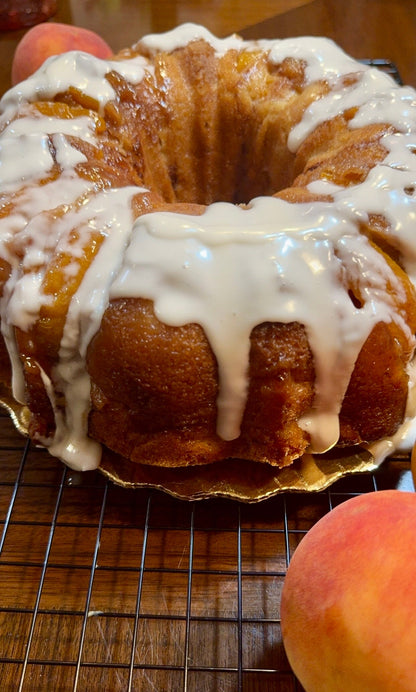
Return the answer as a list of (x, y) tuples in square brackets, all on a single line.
[(323, 59), (319, 49)]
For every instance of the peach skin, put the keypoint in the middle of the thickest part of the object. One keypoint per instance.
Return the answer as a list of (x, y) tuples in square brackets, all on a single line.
[(349, 598)]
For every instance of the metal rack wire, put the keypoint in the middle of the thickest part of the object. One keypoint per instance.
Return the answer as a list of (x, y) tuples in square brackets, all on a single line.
[(110, 589), (386, 66), (104, 588)]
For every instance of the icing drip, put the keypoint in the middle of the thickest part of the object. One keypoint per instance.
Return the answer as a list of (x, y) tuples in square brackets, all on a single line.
[(70, 442), (231, 268)]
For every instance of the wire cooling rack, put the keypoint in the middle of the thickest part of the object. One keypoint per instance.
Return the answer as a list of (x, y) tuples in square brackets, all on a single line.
[(111, 589), (108, 589), (386, 66)]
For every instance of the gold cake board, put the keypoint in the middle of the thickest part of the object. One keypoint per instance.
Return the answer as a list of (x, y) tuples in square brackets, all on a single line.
[(237, 479)]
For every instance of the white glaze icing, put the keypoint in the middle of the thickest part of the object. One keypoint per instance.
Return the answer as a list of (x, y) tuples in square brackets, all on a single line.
[(321, 57), (180, 37), (26, 144), (74, 69), (183, 263), (229, 269)]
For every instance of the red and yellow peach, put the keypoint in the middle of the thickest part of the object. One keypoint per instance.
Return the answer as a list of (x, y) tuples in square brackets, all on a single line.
[(349, 598)]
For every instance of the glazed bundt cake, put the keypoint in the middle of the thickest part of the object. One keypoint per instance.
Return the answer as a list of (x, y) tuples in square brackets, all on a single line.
[(208, 251)]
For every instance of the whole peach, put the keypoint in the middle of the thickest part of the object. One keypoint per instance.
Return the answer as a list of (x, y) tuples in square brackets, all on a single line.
[(53, 38), (348, 609)]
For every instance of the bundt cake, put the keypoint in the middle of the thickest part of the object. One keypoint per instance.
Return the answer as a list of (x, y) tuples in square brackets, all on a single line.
[(208, 252)]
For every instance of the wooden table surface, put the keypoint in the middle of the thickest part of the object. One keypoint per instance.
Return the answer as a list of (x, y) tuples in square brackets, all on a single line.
[(104, 589)]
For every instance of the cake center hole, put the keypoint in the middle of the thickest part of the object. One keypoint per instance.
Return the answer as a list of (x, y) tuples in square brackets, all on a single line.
[(239, 169)]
